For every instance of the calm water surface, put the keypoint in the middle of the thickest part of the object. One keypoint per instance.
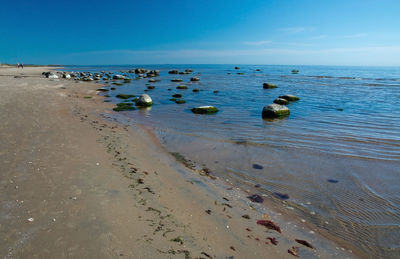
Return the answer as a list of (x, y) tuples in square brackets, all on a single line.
[(337, 155)]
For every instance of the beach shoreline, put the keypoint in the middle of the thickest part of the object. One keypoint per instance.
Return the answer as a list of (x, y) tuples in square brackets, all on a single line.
[(78, 182)]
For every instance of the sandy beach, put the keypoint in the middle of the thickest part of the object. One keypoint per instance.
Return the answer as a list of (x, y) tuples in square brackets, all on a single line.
[(75, 183)]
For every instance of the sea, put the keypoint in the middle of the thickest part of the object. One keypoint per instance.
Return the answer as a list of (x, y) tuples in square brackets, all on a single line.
[(334, 161)]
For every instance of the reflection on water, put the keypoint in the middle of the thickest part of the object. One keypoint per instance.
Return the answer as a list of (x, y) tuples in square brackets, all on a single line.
[(345, 129)]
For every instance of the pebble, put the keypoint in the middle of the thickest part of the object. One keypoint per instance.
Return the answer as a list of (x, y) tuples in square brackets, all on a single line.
[(31, 219), (97, 163)]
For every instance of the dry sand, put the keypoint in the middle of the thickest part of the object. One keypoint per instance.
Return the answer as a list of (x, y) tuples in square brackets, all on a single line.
[(74, 183)]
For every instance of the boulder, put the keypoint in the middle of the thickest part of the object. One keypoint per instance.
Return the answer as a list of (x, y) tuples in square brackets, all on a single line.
[(204, 110), (189, 70), (275, 111), (118, 77), (182, 87), (173, 72), (194, 79), (290, 98), (269, 86), (144, 101), (67, 76), (176, 80), (152, 80), (281, 101), (237, 67), (52, 76)]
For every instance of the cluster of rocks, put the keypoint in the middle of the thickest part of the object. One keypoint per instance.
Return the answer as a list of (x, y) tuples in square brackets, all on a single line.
[(278, 109), (176, 72)]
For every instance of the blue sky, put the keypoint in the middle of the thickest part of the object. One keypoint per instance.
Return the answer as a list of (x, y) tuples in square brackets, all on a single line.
[(293, 32)]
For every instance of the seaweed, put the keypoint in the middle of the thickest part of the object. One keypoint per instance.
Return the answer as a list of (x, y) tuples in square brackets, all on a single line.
[(269, 224), (305, 243)]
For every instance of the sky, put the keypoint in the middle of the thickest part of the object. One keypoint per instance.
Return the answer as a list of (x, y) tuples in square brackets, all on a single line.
[(276, 32)]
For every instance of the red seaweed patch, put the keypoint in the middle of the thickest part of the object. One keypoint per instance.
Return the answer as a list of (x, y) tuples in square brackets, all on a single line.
[(304, 243), (273, 240), (269, 224)]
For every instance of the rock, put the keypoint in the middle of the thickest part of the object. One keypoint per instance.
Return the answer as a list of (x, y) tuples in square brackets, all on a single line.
[(237, 67), (174, 72), (204, 110), (188, 70), (124, 96), (67, 76), (269, 86), (152, 80), (124, 107), (151, 87), (140, 71), (118, 77), (182, 87), (50, 75), (144, 101), (295, 71), (180, 101), (281, 101), (176, 80), (290, 98), (196, 90), (275, 111), (177, 95), (194, 79)]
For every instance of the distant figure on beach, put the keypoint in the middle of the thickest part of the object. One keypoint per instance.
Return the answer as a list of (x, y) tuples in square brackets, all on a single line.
[(20, 65), (17, 65)]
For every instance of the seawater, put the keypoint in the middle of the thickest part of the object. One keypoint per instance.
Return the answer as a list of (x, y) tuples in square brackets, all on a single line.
[(337, 156)]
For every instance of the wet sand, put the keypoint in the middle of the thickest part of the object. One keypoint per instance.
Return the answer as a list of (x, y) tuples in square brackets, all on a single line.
[(75, 183)]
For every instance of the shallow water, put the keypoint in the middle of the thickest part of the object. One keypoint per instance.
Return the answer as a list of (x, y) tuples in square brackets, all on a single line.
[(337, 155)]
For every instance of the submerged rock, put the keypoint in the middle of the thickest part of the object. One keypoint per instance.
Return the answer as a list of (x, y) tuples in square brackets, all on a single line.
[(275, 111), (204, 110), (118, 77), (182, 87), (194, 79), (124, 107), (176, 80), (173, 72), (269, 86), (290, 98), (281, 101), (144, 101), (124, 96)]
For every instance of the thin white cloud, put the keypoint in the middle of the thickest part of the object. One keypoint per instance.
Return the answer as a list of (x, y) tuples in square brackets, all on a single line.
[(257, 43), (319, 37), (376, 55), (356, 35), (296, 29)]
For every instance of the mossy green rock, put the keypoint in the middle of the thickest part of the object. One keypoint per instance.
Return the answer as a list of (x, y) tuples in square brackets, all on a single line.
[(275, 111), (290, 98), (269, 86), (180, 101), (102, 90), (124, 96), (281, 101), (124, 107), (182, 87), (204, 110), (176, 80)]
